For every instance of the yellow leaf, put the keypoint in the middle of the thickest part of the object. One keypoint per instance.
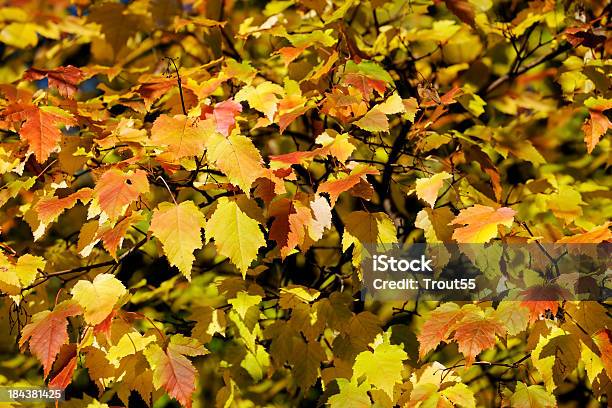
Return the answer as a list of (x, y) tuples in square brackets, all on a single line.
[(178, 227), (382, 368), (130, 343), (236, 235), (98, 298), (262, 98), (481, 223), (238, 158), (427, 188)]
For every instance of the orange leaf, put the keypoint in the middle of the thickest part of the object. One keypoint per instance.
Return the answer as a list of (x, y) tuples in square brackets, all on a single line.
[(49, 208), (291, 220), (476, 332), (64, 377), (180, 136), (116, 190), (41, 129), (113, 237), (540, 299), (594, 128), (594, 236), (47, 332), (603, 339), (336, 187), (172, 370), (438, 327)]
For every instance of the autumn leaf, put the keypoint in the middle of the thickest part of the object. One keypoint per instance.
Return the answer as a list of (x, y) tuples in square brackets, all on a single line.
[(594, 128), (47, 332), (172, 371), (180, 136), (477, 332), (263, 97), (178, 227), (237, 157), (236, 235), (533, 396), (427, 188), (225, 116), (438, 327), (351, 394), (49, 209), (481, 223), (374, 121), (335, 187), (382, 368), (42, 129), (64, 79), (98, 298), (116, 190)]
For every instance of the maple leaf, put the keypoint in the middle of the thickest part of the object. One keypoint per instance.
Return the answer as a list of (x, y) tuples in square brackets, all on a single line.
[(427, 188), (236, 235), (116, 190), (180, 136), (351, 394), (481, 223), (171, 368), (438, 327), (98, 298), (382, 368), (476, 332), (47, 332), (335, 187), (540, 299), (237, 157), (178, 227), (42, 129), (225, 116), (363, 228), (64, 79), (514, 316), (263, 97)]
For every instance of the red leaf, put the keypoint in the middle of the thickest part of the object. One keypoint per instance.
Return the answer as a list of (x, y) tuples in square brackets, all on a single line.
[(64, 377), (47, 332), (64, 79), (225, 116)]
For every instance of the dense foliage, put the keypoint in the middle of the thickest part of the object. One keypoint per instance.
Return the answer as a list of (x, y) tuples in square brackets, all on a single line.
[(187, 189)]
